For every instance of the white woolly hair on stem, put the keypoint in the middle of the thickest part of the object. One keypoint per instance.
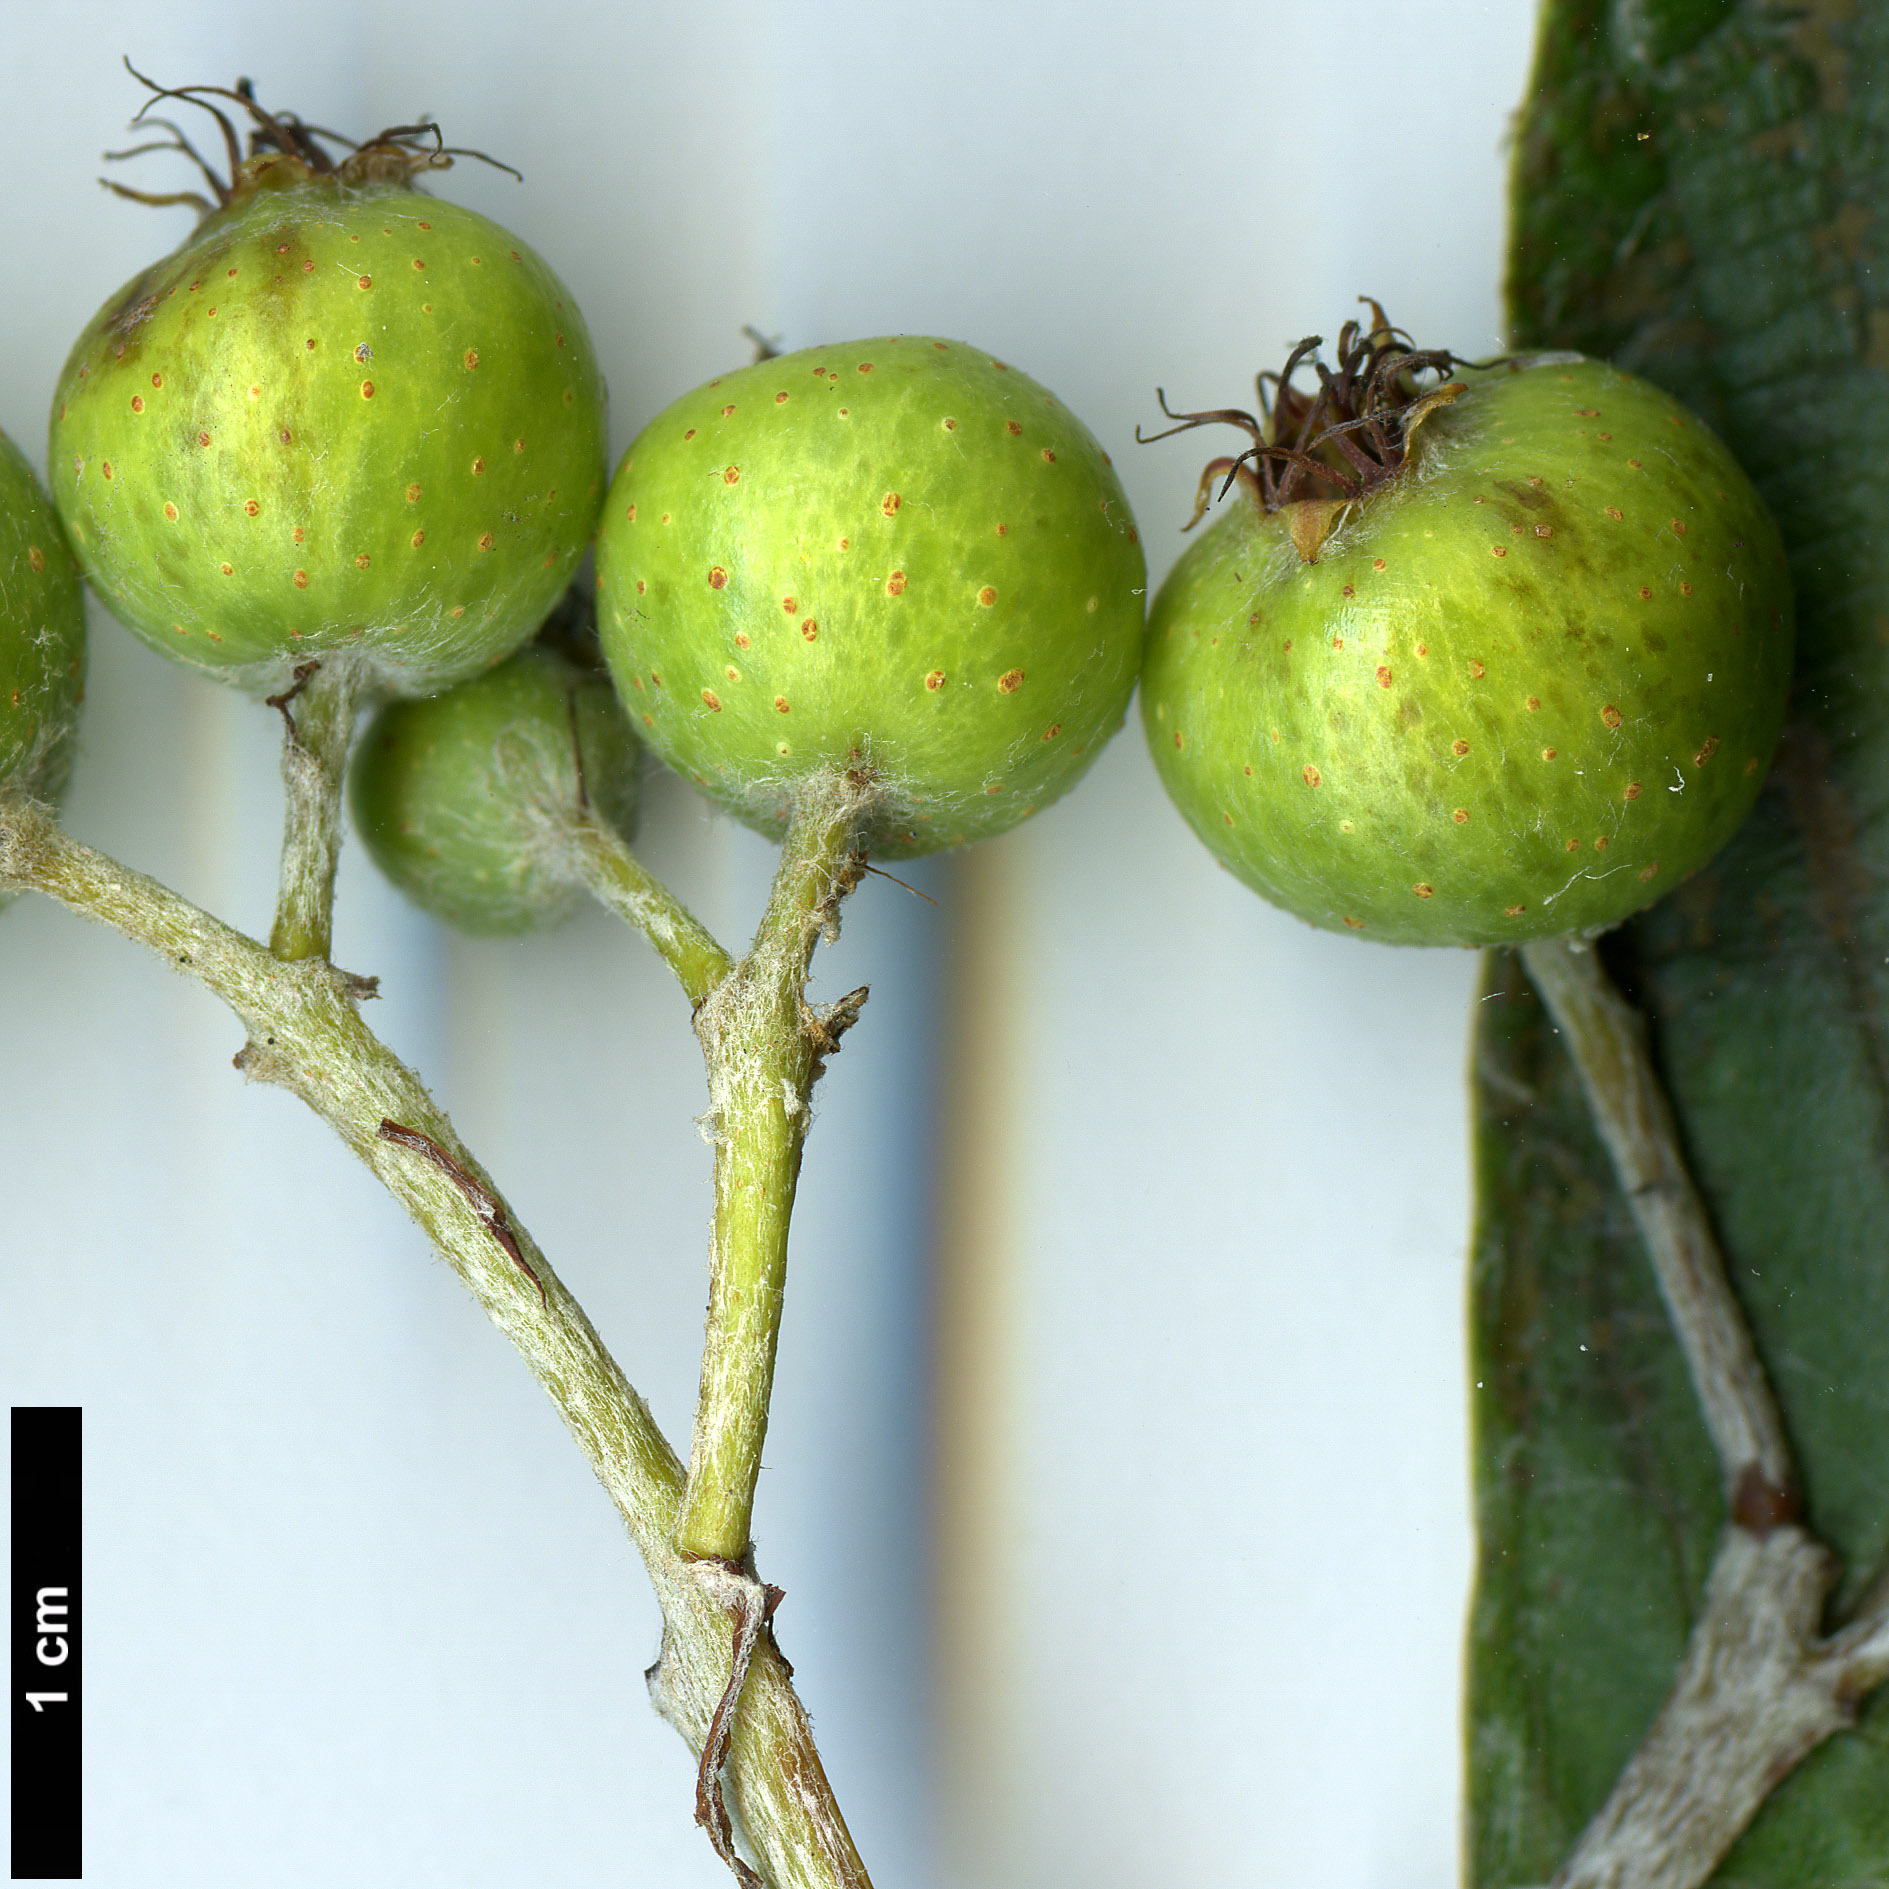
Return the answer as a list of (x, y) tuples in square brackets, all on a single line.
[(1760, 1687), (305, 1034)]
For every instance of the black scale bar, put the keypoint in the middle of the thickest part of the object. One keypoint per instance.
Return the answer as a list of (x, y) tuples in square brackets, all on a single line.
[(47, 1628)]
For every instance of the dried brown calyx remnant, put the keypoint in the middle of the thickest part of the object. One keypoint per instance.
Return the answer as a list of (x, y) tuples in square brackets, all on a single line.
[(1315, 452), (283, 148)]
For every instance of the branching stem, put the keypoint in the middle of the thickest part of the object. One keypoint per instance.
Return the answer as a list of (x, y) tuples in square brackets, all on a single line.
[(305, 1034), (1759, 1688)]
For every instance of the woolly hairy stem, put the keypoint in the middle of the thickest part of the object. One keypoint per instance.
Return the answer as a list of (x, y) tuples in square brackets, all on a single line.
[(617, 878), (306, 1035), (1607, 1039), (1759, 1689), (1756, 1694), (763, 1048), (319, 714)]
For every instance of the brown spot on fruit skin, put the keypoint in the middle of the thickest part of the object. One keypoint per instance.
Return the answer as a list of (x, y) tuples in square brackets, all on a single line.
[(1648, 872), (137, 403), (890, 503), (717, 578), (1423, 890), (36, 558), (367, 390), (1461, 816), (1610, 715), (301, 580), (1180, 740), (1459, 746), (1513, 911), (1613, 512), (1052, 731), (1356, 924), (1013, 427), (1706, 752), (1049, 458), (1499, 550), (1633, 791), (731, 475), (1311, 776), (485, 541), (1383, 677), (895, 584), (712, 699), (789, 605), (780, 703), (1548, 754), (170, 511), (419, 538), (251, 507), (809, 629), (935, 680), (987, 596), (1010, 681)]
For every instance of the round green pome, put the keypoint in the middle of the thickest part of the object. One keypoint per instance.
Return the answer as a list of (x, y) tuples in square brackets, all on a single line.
[(342, 415), (1527, 684), (42, 636), (899, 554), (457, 797)]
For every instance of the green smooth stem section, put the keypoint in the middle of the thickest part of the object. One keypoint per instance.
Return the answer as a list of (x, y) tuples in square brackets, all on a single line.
[(617, 878), (1606, 1037), (763, 1048), (314, 762), (306, 1035)]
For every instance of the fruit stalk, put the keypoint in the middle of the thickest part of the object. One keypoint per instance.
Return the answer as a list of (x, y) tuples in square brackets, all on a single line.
[(618, 879), (1607, 1040), (765, 1049), (306, 1035), (1760, 1688), (318, 725)]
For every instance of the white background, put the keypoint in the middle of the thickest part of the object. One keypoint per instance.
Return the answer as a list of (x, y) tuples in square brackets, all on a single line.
[(1146, 1562)]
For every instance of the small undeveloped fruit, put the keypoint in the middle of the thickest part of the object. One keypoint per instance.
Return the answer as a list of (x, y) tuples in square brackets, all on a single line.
[(898, 555), (42, 636), (342, 415), (458, 797), (1510, 672)]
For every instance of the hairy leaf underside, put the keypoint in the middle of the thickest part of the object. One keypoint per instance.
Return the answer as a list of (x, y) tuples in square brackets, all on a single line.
[(1702, 195)]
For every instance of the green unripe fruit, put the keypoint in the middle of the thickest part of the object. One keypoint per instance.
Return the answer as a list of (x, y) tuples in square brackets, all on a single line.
[(42, 636), (457, 797), (342, 415), (898, 554), (1528, 682)]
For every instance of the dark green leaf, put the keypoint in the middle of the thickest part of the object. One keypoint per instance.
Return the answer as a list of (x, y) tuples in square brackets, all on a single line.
[(1702, 194)]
